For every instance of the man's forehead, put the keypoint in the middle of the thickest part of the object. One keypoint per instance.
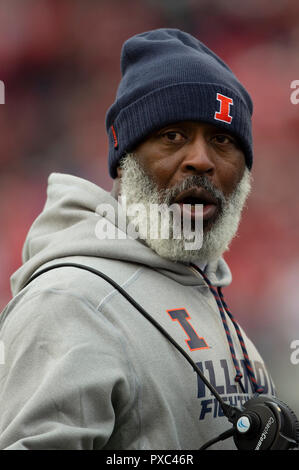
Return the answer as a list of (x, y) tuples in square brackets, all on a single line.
[(189, 126), (195, 125)]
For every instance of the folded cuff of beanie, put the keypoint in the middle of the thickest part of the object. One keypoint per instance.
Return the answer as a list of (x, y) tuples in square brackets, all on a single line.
[(175, 103)]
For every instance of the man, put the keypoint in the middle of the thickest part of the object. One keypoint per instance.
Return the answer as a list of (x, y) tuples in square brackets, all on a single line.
[(84, 369)]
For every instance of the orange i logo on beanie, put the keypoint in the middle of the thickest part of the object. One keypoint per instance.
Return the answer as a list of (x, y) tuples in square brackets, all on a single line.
[(223, 113)]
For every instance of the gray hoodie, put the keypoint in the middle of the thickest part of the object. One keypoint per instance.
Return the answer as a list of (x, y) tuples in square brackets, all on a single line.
[(84, 369)]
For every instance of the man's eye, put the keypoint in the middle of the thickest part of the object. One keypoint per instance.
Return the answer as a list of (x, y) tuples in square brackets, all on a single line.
[(223, 139), (173, 136)]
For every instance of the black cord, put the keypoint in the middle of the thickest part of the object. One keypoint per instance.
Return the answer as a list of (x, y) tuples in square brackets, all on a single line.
[(228, 410), (221, 437)]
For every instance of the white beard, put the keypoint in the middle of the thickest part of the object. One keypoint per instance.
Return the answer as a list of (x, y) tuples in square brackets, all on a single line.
[(137, 187)]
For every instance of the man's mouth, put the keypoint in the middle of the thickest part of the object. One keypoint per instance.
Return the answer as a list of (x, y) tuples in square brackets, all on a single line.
[(195, 196)]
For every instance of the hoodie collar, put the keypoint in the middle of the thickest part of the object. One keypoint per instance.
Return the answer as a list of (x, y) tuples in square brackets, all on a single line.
[(67, 227)]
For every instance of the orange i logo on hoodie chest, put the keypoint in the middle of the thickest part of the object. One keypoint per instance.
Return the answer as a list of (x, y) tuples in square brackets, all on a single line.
[(194, 341)]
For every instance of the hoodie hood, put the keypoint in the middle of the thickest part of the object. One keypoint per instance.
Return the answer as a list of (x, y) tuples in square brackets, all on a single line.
[(67, 227)]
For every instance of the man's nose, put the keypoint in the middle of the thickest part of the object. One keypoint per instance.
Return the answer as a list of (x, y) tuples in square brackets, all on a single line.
[(197, 158)]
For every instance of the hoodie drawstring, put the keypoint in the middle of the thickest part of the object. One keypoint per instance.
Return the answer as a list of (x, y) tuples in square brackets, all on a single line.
[(222, 309)]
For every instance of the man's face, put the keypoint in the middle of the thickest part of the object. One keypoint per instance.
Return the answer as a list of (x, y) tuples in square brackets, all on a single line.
[(190, 163), (188, 148)]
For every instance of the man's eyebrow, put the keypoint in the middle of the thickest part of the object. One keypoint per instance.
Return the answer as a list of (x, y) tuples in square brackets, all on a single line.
[(160, 130), (220, 130), (181, 125)]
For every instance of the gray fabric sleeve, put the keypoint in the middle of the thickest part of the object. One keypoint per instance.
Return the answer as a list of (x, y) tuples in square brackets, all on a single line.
[(65, 379)]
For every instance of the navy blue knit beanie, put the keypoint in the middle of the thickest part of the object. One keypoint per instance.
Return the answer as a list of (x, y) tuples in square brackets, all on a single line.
[(169, 76)]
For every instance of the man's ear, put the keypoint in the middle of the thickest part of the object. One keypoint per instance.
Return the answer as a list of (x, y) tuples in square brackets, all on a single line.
[(119, 172)]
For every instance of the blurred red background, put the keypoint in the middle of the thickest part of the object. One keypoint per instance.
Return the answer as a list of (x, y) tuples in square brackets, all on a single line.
[(59, 61)]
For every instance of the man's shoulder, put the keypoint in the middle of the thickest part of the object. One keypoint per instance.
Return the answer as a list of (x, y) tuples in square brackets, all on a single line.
[(61, 303), (64, 282)]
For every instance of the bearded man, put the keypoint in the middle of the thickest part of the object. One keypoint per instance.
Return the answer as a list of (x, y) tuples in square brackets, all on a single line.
[(84, 368)]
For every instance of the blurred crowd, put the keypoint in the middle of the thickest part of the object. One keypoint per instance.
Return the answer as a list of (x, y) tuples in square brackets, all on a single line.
[(59, 60)]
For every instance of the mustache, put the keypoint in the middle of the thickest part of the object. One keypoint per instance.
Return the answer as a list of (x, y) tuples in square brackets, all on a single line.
[(193, 181)]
